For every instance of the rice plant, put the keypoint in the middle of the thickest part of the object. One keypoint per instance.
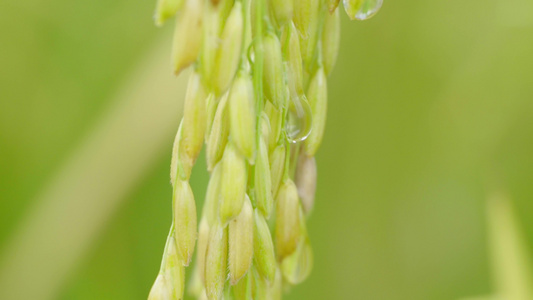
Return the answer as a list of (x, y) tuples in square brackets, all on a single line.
[(257, 98)]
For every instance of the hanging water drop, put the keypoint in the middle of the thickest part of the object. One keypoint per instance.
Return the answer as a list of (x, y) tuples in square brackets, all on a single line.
[(362, 9), (298, 126)]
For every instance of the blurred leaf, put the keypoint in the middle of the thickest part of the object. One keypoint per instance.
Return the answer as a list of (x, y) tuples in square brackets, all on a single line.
[(511, 261)]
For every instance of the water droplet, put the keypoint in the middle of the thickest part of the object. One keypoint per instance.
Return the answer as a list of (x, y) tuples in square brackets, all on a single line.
[(362, 9), (299, 119)]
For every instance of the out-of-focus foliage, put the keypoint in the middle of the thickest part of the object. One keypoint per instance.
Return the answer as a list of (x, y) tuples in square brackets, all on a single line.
[(430, 110)]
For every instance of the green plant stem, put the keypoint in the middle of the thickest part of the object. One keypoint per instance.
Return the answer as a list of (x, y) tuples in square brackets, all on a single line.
[(258, 67), (258, 83)]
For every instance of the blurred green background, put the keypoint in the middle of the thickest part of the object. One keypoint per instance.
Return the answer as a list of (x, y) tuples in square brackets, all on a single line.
[(430, 111)]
